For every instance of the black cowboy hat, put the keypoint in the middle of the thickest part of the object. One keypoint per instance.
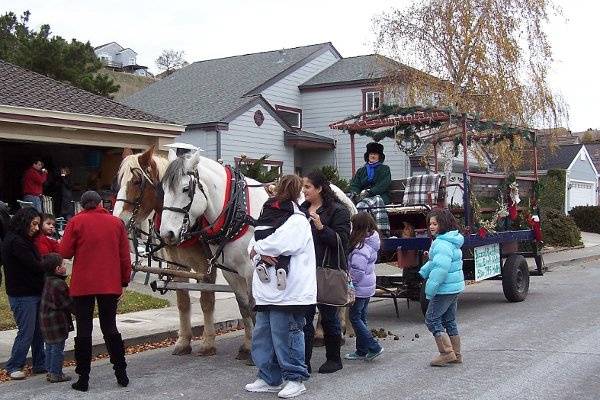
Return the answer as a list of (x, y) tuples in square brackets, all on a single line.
[(376, 148)]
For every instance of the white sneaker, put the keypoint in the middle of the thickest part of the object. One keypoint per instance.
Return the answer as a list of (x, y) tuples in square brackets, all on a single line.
[(260, 386), (17, 375), (292, 389)]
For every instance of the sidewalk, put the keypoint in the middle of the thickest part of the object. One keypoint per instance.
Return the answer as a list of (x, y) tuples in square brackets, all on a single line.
[(156, 325), (149, 325)]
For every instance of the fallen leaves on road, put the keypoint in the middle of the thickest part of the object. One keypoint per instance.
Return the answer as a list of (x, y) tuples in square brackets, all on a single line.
[(128, 350)]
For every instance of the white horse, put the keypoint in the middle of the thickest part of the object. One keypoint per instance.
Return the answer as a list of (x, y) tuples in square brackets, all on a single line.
[(195, 187), (139, 177)]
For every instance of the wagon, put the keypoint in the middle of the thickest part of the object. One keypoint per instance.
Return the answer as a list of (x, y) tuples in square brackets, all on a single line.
[(501, 248)]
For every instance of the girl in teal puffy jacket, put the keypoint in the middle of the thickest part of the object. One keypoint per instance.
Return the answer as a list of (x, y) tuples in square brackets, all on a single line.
[(444, 282)]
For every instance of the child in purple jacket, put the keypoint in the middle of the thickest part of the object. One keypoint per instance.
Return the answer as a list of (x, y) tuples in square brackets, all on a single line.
[(364, 245)]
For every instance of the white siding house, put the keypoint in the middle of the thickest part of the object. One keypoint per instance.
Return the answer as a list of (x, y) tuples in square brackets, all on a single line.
[(119, 58)]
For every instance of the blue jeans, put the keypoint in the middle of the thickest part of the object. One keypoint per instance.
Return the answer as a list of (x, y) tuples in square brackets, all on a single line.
[(54, 357), (441, 314), (365, 342), (25, 310), (36, 200), (278, 347)]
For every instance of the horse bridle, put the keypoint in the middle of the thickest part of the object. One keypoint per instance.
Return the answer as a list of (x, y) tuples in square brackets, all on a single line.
[(191, 191), (137, 203)]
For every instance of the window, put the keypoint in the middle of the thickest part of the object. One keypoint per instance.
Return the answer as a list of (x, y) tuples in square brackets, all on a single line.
[(292, 116), (267, 167), (371, 99)]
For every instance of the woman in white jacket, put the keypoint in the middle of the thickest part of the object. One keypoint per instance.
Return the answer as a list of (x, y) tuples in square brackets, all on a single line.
[(278, 337)]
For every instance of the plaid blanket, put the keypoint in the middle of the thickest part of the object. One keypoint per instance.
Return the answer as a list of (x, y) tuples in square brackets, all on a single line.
[(376, 206), (47, 204), (422, 189)]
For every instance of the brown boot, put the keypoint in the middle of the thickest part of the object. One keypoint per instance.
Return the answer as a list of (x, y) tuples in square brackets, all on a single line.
[(446, 352), (455, 340)]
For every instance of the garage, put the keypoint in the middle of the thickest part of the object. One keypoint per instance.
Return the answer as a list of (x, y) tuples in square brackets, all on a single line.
[(582, 193), (67, 127)]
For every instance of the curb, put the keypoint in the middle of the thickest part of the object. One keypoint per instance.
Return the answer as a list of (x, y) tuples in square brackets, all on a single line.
[(198, 330), (586, 259)]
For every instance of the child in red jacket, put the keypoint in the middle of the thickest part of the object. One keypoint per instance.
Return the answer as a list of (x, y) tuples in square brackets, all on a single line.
[(45, 241)]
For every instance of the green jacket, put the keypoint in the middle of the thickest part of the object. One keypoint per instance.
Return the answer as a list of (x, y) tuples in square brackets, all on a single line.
[(380, 185)]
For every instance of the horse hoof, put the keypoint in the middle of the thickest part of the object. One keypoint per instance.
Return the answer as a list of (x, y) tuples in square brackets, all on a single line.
[(244, 355), (206, 352), (318, 342), (182, 350)]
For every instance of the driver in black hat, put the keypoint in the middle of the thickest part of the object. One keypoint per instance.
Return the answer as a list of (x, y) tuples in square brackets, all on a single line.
[(370, 186)]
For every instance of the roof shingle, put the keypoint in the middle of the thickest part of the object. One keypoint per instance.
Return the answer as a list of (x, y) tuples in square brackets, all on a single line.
[(23, 88), (560, 159), (354, 69), (208, 91)]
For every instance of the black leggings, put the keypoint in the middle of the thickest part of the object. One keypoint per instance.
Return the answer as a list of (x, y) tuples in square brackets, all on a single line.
[(107, 312)]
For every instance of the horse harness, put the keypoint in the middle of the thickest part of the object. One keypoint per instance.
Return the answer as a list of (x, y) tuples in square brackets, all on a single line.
[(230, 225), (137, 203)]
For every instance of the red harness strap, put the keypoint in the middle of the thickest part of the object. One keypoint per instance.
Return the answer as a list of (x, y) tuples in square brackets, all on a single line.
[(219, 223)]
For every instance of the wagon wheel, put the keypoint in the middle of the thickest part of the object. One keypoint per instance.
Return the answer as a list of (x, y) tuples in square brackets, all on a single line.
[(515, 278), (423, 299)]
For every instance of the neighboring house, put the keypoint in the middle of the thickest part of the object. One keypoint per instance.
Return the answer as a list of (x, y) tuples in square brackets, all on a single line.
[(594, 152), (581, 174), (118, 58), (278, 103)]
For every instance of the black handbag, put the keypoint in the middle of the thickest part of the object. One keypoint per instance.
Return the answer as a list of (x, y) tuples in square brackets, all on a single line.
[(334, 286)]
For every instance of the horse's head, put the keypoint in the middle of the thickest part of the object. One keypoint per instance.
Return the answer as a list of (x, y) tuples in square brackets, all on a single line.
[(137, 180), (184, 200)]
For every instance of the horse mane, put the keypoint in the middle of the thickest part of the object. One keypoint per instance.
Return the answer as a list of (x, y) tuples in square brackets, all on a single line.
[(132, 162), (175, 169)]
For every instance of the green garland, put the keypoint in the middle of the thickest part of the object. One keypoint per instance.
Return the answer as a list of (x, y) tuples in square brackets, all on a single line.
[(409, 141)]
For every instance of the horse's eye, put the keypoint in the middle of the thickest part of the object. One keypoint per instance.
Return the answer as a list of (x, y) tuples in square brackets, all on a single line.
[(186, 189)]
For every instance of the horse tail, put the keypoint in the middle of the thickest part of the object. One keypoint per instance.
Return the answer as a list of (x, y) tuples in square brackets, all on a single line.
[(345, 200)]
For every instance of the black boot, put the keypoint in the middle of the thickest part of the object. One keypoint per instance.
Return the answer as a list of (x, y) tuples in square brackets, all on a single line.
[(83, 359), (308, 349), (332, 352), (116, 350)]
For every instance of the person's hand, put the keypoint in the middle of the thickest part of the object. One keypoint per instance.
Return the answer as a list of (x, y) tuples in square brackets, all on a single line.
[(316, 219), (61, 270), (269, 259), (44, 170)]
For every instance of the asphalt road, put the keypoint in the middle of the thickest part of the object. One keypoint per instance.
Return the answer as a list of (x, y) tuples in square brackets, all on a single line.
[(547, 347)]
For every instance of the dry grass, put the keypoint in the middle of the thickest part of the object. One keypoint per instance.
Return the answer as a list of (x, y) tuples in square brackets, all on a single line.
[(131, 302)]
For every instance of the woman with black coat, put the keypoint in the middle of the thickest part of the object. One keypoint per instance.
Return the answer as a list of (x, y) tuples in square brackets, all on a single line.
[(329, 219), (24, 284)]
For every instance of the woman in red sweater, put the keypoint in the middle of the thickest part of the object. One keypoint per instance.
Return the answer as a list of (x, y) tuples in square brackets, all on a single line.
[(98, 244)]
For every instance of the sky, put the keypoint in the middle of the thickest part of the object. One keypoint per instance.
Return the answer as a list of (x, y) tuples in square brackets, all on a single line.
[(211, 29)]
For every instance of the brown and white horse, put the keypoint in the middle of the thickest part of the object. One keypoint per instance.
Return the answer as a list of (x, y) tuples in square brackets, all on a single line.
[(137, 201)]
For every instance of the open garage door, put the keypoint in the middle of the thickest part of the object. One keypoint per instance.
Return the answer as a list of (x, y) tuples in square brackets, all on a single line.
[(91, 168)]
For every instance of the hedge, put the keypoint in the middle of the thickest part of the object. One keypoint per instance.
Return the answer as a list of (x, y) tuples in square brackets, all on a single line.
[(560, 229), (587, 218), (552, 190)]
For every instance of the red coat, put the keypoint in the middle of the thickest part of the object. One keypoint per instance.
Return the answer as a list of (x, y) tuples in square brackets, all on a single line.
[(98, 243), (46, 245), (33, 181)]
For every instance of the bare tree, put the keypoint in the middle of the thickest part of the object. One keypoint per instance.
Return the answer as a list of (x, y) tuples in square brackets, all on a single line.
[(170, 60), (492, 57)]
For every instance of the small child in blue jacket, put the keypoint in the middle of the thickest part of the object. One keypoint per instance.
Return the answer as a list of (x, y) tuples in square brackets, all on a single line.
[(445, 281)]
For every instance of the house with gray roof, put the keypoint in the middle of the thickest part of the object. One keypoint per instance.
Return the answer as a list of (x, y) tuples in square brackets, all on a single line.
[(581, 174), (276, 102), (119, 58)]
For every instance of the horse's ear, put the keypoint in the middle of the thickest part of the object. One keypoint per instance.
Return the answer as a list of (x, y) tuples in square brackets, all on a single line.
[(193, 160), (146, 156)]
